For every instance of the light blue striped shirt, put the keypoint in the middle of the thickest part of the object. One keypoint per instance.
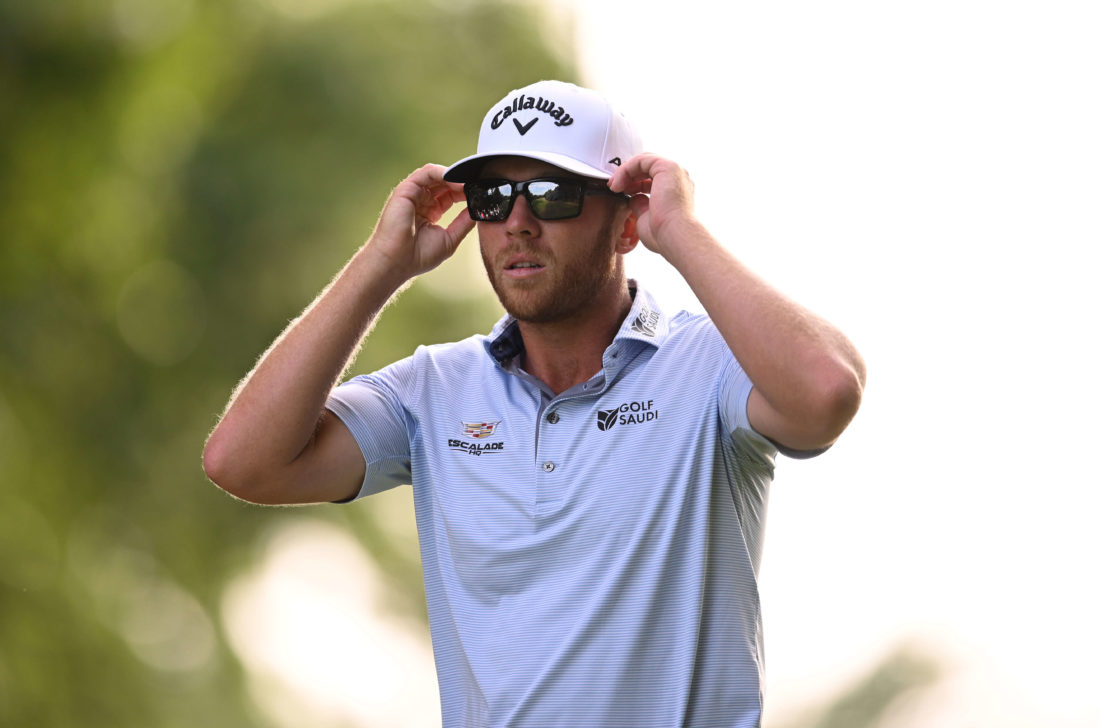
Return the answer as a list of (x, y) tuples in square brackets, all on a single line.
[(589, 559)]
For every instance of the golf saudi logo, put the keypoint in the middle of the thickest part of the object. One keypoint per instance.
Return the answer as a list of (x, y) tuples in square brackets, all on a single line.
[(628, 413)]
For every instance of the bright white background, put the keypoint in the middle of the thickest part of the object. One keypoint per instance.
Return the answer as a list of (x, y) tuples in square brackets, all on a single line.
[(927, 176)]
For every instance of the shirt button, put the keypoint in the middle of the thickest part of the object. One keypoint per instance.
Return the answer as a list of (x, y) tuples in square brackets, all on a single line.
[(548, 466), (553, 418)]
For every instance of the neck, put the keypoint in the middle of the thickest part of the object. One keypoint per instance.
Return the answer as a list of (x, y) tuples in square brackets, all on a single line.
[(565, 353)]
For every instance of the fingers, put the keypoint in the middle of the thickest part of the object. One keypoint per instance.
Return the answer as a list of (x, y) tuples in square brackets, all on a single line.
[(434, 197), (637, 174), (427, 193), (436, 202), (661, 193), (639, 205), (423, 197), (431, 176)]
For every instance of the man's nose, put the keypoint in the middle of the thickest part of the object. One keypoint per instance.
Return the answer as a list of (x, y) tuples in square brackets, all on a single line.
[(521, 221)]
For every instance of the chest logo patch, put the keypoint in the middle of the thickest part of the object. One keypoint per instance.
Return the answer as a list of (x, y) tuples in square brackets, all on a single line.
[(480, 430), (628, 413)]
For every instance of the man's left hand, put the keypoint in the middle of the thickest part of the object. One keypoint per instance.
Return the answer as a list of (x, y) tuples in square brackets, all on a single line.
[(662, 197)]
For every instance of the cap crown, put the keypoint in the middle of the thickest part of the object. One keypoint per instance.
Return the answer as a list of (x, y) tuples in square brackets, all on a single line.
[(560, 123)]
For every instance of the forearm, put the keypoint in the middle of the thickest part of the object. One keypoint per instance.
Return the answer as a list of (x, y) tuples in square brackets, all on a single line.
[(808, 372), (274, 412), (272, 445)]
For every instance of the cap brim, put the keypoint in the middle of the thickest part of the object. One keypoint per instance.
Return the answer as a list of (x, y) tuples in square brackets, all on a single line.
[(466, 169)]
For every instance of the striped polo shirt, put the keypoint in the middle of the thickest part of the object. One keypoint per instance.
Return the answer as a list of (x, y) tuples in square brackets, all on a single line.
[(590, 558)]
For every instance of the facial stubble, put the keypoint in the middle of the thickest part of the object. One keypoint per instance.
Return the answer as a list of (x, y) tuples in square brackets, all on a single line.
[(573, 285)]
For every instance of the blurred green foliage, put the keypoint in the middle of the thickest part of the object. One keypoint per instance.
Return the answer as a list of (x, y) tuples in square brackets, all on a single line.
[(879, 696), (178, 178)]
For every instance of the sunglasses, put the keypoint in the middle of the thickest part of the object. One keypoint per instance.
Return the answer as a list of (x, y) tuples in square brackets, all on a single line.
[(550, 198)]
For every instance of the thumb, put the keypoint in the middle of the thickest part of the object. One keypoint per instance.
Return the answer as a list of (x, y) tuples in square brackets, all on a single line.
[(460, 227)]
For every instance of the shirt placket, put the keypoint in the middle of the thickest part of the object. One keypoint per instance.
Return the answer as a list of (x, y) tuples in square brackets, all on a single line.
[(560, 424)]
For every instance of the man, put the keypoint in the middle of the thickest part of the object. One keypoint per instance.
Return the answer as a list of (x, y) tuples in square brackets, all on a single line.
[(589, 479)]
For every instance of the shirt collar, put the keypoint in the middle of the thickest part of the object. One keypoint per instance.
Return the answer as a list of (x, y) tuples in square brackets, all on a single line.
[(504, 341), (646, 322)]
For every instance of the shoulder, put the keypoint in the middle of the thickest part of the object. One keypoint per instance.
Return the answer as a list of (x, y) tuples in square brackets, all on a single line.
[(468, 349), (435, 361), (695, 335), (690, 323)]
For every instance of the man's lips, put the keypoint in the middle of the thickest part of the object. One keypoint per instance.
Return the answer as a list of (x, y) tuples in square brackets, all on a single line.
[(522, 268)]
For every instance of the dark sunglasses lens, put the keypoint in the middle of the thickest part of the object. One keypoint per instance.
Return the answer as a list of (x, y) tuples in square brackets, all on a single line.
[(489, 201), (555, 200)]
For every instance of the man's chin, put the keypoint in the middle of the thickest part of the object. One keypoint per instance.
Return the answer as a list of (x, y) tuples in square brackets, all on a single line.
[(520, 304), (532, 311)]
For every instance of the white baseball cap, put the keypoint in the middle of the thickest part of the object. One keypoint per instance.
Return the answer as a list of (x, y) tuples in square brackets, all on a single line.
[(560, 123)]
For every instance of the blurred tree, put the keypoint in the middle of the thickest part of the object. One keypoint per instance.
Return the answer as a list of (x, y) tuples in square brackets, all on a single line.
[(868, 702), (178, 178)]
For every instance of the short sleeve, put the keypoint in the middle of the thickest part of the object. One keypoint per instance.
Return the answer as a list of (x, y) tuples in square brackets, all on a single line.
[(373, 413), (733, 404)]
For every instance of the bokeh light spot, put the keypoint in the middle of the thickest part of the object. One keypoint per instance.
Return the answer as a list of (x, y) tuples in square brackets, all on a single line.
[(309, 624)]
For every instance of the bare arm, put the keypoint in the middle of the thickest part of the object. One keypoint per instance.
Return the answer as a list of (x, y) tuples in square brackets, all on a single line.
[(274, 443), (807, 377)]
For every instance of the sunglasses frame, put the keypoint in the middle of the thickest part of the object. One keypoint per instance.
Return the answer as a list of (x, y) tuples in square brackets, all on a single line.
[(586, 188)]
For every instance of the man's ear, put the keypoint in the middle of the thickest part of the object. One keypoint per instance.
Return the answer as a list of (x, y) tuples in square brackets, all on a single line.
[(628, 238)]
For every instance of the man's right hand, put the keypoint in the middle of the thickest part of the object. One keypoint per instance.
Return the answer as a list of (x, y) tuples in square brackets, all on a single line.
[(407, 235), (274, 444)]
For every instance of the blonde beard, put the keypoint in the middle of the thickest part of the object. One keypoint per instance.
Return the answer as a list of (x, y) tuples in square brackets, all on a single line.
[(573, 287)]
